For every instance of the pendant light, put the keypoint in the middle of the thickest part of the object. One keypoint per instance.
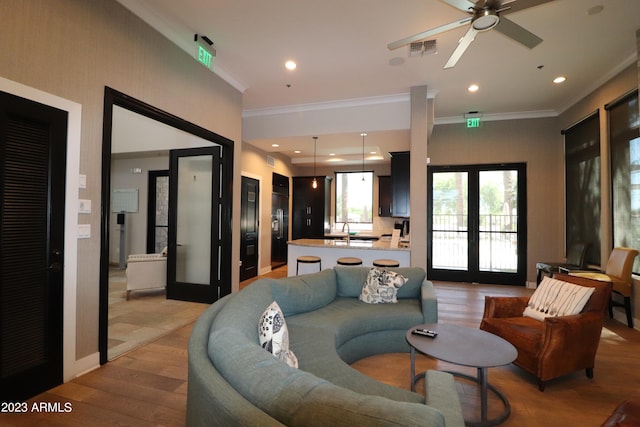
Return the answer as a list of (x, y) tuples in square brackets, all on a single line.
[(314, 183), (363, 134)]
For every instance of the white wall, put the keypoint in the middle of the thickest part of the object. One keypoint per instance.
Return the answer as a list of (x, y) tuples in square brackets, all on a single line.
[(123, 178)]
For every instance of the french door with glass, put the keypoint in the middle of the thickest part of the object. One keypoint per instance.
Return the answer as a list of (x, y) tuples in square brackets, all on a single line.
[(193, 262), (477, 223)]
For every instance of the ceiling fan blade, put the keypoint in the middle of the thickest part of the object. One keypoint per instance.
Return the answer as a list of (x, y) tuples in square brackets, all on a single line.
[(517, 33), (462, 46), (463, 5), (517, 5), (426, 34)]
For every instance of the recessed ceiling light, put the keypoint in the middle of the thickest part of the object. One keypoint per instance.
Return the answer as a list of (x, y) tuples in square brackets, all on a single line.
[(290, 65), (473, 88), (559, 79), (332, 154), (297, 151), (275, 145)]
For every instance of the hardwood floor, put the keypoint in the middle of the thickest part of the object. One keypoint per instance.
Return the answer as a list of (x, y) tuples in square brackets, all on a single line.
[(148, 386), (573, 400)]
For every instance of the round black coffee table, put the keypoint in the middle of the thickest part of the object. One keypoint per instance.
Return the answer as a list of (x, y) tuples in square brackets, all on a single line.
[(465, 346)]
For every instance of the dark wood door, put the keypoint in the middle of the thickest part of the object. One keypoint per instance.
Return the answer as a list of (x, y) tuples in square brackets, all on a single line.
[(400, 183), (193, 262), (33, 140), (249, 223), (385, 197), (310, 216)]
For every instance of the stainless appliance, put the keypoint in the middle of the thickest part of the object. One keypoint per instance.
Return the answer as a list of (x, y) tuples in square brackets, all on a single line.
[(279, 220), (403, 226)]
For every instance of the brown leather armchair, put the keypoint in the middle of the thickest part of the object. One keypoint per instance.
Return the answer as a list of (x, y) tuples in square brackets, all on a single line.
[(556, 346)]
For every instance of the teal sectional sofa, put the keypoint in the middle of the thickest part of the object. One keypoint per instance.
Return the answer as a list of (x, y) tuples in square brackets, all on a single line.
[(233, 381)]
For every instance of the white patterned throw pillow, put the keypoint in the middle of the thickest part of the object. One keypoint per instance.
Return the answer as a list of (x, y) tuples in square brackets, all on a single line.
[(381, 286), (274, 335), (554, 298)]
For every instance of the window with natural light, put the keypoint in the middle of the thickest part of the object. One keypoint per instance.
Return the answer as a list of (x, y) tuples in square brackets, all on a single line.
[(354, 197)]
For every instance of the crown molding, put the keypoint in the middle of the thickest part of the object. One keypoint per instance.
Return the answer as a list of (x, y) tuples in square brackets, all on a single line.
[(332, 105), (540, 114), (176, 34), (597, 83)]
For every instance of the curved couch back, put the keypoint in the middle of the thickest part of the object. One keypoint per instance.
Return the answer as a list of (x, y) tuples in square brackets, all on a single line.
[(292, 396), (211, 400), (351, 279)]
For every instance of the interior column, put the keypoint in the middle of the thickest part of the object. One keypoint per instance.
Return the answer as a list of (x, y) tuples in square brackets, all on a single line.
[(421, 123)]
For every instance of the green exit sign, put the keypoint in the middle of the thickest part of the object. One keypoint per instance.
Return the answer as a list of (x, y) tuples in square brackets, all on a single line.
[(204, 57), (473, 122), (205, 52)]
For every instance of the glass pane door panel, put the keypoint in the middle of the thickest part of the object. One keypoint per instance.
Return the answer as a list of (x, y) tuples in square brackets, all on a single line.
[(450, 250), (450, 220), (193, 219), (161, 213), (498, 220)]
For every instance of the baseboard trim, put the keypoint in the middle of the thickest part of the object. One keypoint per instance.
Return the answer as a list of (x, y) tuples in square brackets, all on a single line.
[(83, 366)]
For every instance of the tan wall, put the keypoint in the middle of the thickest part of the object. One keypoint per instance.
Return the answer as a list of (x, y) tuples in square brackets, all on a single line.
[(610, 91), (254, 165), (621, 84), (536, 142), (72, 49)]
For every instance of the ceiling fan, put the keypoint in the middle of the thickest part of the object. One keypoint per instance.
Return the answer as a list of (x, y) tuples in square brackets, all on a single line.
[(485, 15)]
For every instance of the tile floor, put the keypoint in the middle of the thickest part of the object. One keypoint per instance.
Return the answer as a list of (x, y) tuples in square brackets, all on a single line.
[(147, 315)]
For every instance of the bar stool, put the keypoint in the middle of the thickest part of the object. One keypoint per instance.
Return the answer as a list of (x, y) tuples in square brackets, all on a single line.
[(347, 260), (308, 259), (386, 263)]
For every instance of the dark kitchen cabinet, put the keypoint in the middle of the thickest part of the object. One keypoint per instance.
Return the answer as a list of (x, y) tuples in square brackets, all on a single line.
[(385, 197), (400, 179), (310, 215)]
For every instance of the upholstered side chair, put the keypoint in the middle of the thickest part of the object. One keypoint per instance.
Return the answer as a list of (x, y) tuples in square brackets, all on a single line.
[(618, 273), (555, 346)]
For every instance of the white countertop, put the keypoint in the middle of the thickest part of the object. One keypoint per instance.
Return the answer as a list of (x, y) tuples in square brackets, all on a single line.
[(383, 243), (355, 234)]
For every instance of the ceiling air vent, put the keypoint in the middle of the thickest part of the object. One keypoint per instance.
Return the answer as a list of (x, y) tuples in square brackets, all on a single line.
[(427, 47)]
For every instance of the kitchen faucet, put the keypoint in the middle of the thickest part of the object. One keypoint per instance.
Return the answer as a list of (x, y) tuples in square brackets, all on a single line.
[(346, 224)]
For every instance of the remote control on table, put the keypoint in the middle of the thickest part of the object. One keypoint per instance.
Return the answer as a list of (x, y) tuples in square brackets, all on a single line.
[(424, 332)]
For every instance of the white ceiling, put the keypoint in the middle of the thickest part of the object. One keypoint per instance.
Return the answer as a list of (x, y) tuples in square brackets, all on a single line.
[(340, 47)]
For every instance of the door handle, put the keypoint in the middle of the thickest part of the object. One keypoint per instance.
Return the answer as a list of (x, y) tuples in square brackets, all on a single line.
[(55, 267)]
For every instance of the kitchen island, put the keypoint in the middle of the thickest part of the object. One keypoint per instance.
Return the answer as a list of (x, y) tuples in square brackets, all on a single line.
[(329, 250)]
